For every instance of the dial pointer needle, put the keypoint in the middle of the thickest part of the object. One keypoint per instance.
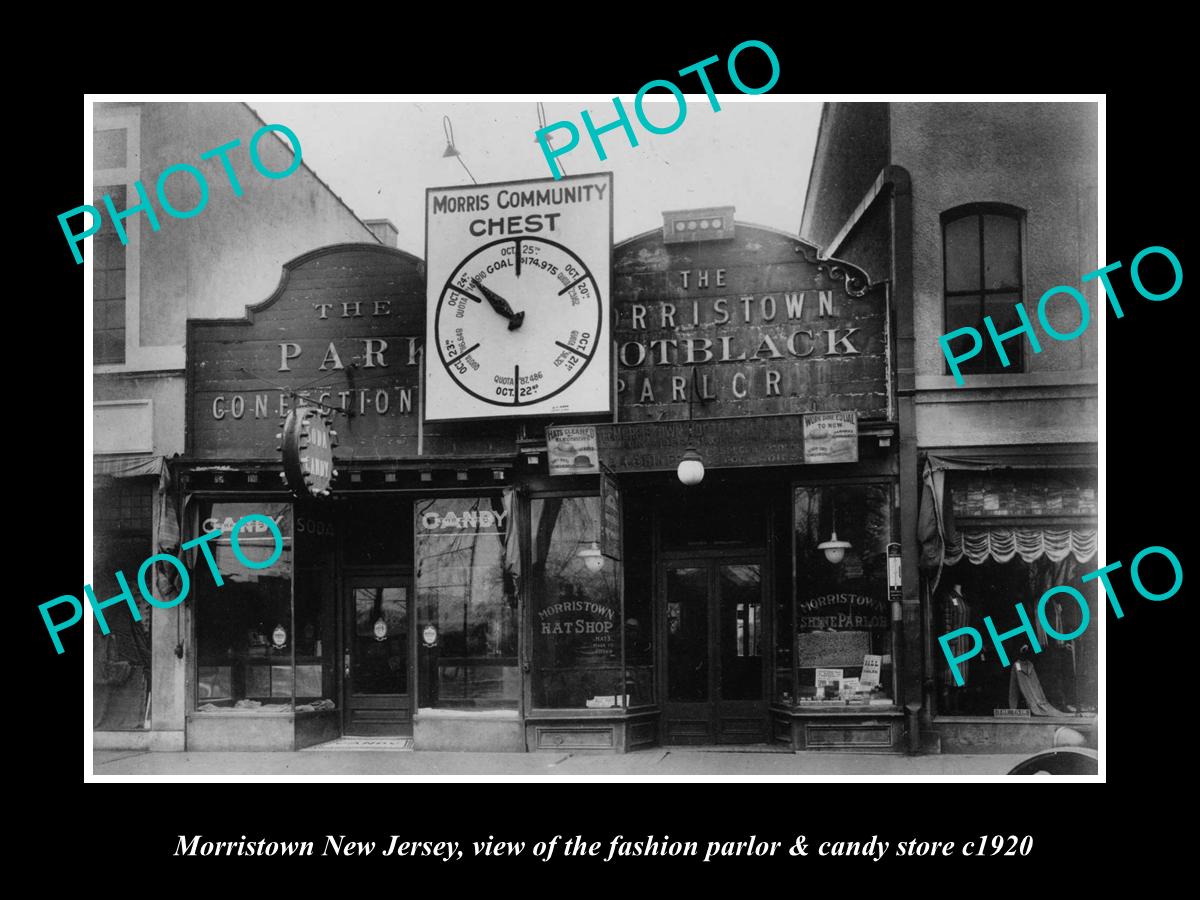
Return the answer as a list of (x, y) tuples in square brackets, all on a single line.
[(500, 305)]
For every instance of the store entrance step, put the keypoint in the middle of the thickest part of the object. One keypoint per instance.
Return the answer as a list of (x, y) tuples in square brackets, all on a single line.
[(729, 748), (366, 742)]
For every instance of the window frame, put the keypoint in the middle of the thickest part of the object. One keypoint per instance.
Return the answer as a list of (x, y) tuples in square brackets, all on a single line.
[(528, 616), (138, 358), (98, 191), (1016, 353), (419, 685), (205, 500), (894, 531)]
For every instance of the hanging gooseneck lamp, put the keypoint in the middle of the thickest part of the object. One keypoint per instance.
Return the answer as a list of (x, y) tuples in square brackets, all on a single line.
[(541, 120), (451, 150), (835, 550), (691, 466)]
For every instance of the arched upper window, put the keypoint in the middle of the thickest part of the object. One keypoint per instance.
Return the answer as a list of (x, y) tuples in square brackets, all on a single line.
[(982, 276)]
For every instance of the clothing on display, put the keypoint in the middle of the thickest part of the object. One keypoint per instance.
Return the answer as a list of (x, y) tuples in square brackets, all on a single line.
[(1024, 681)]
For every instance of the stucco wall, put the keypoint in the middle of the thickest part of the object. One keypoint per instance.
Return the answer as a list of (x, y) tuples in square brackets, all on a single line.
[(230, 254), (1040, 157), (164, 390)]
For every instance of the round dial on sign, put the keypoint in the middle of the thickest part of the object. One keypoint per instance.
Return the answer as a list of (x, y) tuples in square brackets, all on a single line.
[(518, 321)]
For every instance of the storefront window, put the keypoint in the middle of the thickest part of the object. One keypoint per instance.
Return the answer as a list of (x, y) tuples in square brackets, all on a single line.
[(842, 626), (1010, 536), (121, 658), (467, 602), (245, 641), (1060, 679), (576, 608)]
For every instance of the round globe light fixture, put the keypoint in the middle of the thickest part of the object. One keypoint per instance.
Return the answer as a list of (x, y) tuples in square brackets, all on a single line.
[(691, 467)]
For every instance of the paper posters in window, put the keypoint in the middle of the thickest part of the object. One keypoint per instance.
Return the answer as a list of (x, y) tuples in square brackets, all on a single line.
[(829, 683), (870, 671)]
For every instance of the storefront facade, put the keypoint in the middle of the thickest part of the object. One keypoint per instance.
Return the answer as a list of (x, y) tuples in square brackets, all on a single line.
[(966, 209), (144, 286), (532, 583)]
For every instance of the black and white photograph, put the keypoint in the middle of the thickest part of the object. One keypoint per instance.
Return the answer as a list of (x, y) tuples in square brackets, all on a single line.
[(672, 437)]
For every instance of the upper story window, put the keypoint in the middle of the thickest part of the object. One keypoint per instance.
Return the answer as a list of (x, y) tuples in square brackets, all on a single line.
[(982, 270), (116, 288), (108, 286)]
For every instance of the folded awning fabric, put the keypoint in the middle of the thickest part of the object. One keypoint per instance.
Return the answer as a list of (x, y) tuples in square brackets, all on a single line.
[(938, 536), (127, 465), (979, 545)]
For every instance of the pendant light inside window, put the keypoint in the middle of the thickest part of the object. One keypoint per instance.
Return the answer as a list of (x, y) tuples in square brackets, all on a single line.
[(834, 550), (592, 557)]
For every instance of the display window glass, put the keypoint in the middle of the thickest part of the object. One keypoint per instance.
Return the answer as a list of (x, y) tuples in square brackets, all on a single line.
[(121, 667), (842, 626), (245, 640), (1060, 680), (466, 585), (382, 664), (577, 622)]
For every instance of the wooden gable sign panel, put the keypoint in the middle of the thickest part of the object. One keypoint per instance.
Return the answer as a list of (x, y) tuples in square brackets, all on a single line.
[(344, 327), (767, 327)]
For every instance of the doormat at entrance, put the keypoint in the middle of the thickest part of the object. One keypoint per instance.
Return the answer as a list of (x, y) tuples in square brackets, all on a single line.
[(351, 742)]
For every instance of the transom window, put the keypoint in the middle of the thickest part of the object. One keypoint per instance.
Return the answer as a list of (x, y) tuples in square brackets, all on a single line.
[(982, 268)]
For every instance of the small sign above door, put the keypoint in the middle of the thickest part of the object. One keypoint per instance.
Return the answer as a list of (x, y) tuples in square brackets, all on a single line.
[(831, 437), (572, 450)]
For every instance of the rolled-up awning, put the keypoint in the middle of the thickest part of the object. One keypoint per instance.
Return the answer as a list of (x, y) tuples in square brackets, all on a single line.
[(127, 465)]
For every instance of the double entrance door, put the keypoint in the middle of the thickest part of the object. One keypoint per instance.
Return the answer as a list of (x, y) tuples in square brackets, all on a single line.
[(376, 653), (712, 609)]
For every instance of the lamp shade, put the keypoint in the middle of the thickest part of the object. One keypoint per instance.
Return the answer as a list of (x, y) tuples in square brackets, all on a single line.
[(691, 467), (835, 550), (592, 557)]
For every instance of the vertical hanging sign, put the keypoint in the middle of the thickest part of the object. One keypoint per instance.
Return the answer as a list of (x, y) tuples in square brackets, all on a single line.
[(610, 517)]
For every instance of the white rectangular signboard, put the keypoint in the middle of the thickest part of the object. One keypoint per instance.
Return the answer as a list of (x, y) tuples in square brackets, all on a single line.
[(518, 298)]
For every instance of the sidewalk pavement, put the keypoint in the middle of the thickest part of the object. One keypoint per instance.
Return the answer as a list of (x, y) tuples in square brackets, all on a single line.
[(660, 762)]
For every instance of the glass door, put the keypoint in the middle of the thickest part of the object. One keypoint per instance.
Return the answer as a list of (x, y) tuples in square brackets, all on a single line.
[(713, 616), (741, 713), (376, 654)]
